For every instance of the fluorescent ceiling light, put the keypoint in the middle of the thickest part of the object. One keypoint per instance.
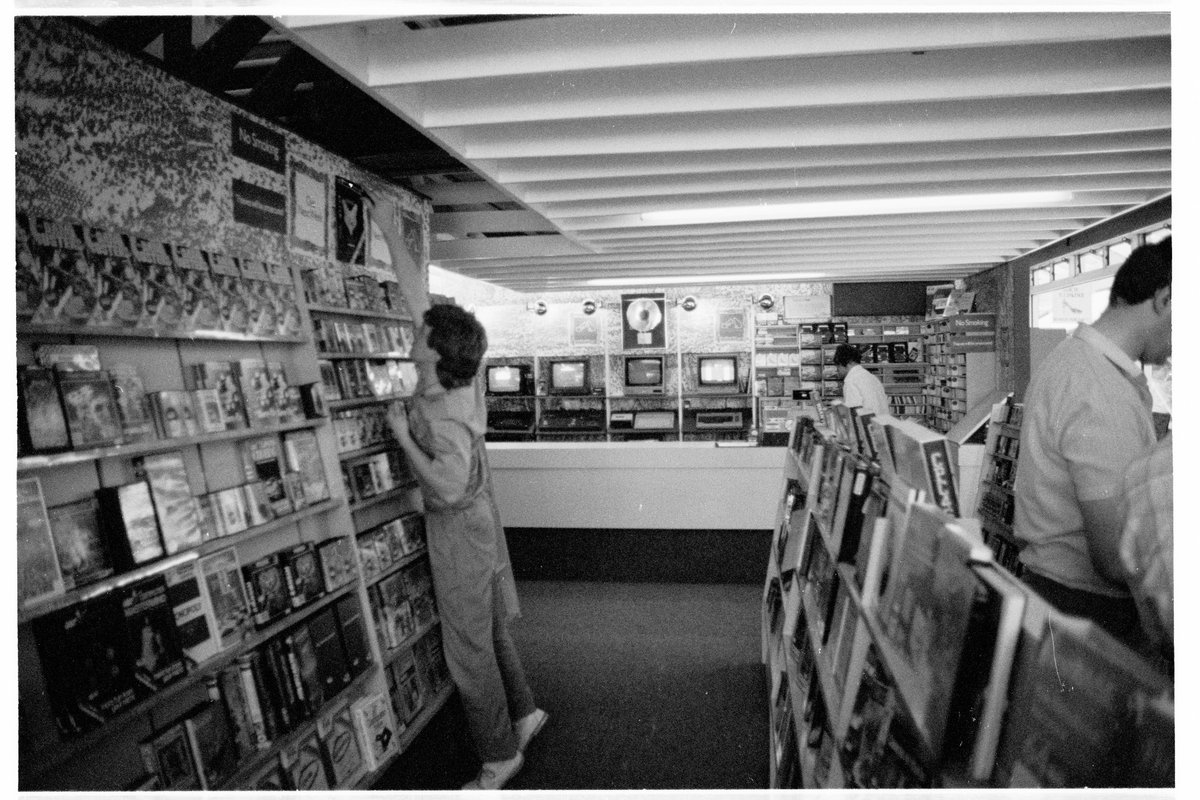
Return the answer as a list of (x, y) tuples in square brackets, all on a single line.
[(856, 208), (757, 277)]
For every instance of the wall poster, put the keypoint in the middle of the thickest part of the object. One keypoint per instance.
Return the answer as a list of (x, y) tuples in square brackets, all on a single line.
[(643, 321), (584, 329), (731, 326), (348, 219), (309, 208)]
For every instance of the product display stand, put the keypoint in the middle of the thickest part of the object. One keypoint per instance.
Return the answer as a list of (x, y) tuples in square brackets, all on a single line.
[(901, 654)]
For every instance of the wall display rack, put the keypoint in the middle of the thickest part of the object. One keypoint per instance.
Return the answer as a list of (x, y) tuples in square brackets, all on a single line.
[(122, 750), (680, 411), (961, 374), (901, 654), (997, 501)]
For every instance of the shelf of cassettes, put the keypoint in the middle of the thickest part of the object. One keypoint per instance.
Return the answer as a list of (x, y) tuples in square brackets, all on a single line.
[(894, 667), (376, 499), (94, 590), (371, 450), (391, 654), (74, 746), (361, 312), (824, 669), (355, 402), (392, 355), (252, 763), (52, 460), (398, 565), (36, 328), (411, 731)]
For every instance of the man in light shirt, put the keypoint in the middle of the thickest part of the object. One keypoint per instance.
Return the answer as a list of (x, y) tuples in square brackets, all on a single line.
[(1087, 417), (860, 389)]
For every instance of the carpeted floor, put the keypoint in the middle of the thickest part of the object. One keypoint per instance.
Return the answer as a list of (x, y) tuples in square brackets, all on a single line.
[(649, 686)]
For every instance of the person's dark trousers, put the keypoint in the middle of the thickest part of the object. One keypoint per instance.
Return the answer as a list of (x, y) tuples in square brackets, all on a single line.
[(1117, 615)]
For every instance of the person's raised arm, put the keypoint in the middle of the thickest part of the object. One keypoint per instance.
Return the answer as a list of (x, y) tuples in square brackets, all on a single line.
[(408, 272)]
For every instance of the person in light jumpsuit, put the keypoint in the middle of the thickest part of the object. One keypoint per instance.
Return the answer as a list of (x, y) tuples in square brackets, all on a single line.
[(442, 437)]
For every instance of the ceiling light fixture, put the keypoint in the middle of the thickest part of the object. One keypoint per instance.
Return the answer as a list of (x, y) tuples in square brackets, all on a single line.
[(856, 208), (663, 280)]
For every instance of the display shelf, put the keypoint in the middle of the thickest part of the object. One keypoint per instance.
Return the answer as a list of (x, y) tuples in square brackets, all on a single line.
[(391, 654), (260, 758), (355, 402), (390, 494), (392, 355), (46, 329), (411, 731), (998, 487), (362, 452), (69, 748), (396, 566), (896, 670), (94, 590), (156, 445), (361, 312), (824, 671)]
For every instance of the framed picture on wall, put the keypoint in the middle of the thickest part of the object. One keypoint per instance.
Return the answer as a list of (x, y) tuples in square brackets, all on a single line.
[(348, 218), (584, 329), (643, 321), (731, 325), (309, 208)]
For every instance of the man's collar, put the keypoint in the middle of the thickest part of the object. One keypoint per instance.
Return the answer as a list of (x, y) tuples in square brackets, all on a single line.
[(1107, 348)]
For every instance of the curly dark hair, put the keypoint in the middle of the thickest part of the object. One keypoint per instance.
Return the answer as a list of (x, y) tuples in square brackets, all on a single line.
[(460, 342), (1147, 270), (845, 355)]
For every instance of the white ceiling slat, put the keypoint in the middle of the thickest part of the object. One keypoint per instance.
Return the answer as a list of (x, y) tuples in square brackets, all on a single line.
[(1008, 241), (1066, 215), (896, 124), (920, 172), (567, 168), (503, 246), (569, 43), (464, 193), (1113, 182), (460, 223), (617, 262), (796, 83), (588, 121)]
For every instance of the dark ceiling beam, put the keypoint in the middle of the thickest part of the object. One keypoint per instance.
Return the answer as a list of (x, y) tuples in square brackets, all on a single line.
[(219, 56), (132, 33), (272, 96), (177, 43), (412, 162)]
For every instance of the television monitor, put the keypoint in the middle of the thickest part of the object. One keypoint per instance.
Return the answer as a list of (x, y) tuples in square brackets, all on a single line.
[(569, 377), (508, 379), (644, 374), (718, 371)]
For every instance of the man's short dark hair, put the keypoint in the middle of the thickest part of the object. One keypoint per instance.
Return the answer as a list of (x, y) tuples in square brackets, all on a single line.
[(459, 341), (1147, 270), (845, 355)]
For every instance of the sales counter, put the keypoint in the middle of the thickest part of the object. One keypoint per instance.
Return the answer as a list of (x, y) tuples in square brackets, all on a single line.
[(636, 485)]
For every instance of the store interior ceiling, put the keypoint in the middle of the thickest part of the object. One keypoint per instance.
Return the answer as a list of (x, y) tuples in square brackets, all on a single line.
[(550, 145)]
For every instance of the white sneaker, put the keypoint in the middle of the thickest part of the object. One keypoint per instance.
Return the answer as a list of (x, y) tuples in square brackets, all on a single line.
[(528, 726), (494, 774)]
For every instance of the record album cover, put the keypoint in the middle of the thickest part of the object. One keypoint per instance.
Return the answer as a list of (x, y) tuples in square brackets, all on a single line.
[(174, 503), (127, 517), (154, 644), (91, 409), (38, 572), (81, 547), (43, 424)]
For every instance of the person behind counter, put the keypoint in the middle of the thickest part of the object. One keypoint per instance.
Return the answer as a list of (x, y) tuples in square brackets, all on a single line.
[(1087, 418), (443, 442), (860, 389)]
